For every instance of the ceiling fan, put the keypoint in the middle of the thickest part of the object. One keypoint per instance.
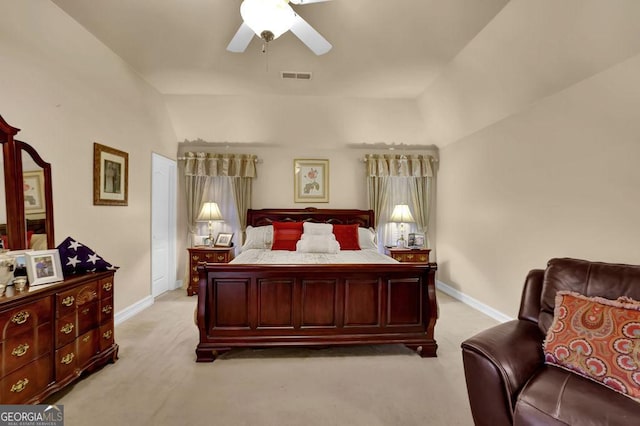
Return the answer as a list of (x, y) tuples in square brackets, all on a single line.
[(269, 19)]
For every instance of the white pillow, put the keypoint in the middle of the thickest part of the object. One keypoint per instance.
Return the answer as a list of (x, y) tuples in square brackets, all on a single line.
[(330, 236), (311, 228), (260, 237), (317, 244), (367, 238)]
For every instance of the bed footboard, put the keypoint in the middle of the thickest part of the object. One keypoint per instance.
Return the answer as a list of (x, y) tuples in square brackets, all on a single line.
[(315, 305)]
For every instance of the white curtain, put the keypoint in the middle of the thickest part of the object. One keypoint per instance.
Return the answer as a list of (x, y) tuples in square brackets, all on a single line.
[(222, 178), (400, 179)]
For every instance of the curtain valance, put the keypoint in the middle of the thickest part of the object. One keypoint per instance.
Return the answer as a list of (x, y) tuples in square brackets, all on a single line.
[(212, 164), (399, 165)]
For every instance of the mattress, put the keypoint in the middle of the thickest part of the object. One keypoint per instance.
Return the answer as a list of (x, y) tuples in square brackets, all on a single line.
[(285, 257)]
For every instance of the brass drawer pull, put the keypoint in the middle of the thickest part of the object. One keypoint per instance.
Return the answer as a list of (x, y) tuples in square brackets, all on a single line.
[(20, 318), (85, 311), (107, 286), (86, 338), (20, 385), (107, 309), (67, 359), (196, 258), (68, 301), (68, 328), (107, 334), (221, 257), (20, 350)]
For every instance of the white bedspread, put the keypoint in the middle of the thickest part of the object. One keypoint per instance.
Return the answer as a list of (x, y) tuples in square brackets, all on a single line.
[(284, 257)]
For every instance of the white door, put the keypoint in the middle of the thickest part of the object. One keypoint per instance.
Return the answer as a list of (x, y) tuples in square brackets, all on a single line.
[(163, 224)]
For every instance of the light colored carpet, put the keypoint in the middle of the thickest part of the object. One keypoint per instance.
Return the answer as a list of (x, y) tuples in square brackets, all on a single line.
[(156, 381)]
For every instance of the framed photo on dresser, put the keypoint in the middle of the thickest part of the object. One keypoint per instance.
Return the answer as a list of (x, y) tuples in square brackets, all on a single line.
[(43, 266)]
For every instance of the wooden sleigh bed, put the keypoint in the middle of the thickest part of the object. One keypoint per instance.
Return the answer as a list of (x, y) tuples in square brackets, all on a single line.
[(252, 306)]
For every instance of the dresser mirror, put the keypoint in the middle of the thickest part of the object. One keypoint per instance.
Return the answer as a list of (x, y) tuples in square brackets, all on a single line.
[(26, 212)]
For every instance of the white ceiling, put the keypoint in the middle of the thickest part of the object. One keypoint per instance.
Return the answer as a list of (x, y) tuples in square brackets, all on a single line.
[(381, 48)]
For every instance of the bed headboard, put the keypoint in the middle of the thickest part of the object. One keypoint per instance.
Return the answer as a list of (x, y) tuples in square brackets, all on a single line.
[(262, 217)]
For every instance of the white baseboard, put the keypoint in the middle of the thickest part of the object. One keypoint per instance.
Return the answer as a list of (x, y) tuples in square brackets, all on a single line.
[(177, 285), (133, 310), (474, 303)]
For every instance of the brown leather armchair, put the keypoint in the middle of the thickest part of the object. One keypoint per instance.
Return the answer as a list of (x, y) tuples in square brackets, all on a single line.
[(507, 379)]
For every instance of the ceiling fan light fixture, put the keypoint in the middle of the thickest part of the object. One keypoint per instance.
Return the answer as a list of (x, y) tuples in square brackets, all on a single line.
[(268, 16)]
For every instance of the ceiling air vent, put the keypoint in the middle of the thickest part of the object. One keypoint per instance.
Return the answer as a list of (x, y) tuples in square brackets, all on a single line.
[(296, 75)]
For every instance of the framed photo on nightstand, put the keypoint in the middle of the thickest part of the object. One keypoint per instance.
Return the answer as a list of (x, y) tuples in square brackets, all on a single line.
[(416, 240), (224, 239)]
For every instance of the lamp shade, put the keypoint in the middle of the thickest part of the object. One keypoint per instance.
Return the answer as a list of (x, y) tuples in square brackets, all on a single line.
[(275, 16), (210, 211), (401, 214)]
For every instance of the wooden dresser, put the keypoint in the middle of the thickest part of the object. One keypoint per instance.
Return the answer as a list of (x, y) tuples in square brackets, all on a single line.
[(408, 255), (200, 254), (53, 333)]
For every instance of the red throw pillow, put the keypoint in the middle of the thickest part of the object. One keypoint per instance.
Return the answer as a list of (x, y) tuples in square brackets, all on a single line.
[(347, 236), (286, 235)]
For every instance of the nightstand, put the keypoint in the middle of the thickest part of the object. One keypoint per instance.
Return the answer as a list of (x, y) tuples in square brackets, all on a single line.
[(408, 255), (200, 254)]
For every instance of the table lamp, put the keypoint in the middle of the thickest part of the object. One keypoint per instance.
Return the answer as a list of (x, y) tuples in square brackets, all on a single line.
[(210, 212), (401, 214)]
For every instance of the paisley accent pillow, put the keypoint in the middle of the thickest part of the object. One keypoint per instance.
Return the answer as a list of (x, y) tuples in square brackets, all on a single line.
[(598, 339)]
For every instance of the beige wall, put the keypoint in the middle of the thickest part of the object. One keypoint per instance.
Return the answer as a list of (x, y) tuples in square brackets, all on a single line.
[(279, 129), (558, 179), (65, 90), (537, 122)]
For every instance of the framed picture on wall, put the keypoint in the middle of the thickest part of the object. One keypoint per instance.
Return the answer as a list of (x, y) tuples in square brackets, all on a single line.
[(310, 181), (33, 184), (110, 176)]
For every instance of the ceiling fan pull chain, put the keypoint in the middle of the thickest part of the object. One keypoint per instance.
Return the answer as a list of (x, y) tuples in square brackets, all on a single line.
[(265, 50)]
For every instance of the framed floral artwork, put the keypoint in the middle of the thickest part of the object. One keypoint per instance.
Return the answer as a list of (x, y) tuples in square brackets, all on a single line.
[(311, 181)]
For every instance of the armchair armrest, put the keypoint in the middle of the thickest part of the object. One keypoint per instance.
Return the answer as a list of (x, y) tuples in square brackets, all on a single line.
[(497, 364)]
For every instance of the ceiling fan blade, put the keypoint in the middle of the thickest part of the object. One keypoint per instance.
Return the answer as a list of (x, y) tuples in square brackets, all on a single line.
[(241, 40), (307, 1), (309, 36)]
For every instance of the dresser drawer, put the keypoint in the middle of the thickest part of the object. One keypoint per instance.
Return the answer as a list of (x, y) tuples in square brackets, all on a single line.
[(66, 362), (106, 310), (66, 330), (69, 301), (87, 346), (87, 317), (27, 317), (411, 257), (106, 336), (105, 287), (21, 349), (19, 386)]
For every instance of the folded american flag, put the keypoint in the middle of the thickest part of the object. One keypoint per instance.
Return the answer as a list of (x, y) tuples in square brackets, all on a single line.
[(77, 258)]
